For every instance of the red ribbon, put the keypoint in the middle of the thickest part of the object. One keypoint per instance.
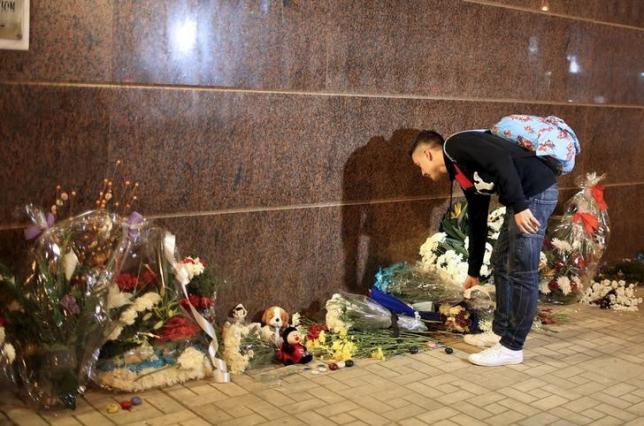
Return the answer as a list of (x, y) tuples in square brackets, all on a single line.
[(462, 179), (597, 192), (588, 220)]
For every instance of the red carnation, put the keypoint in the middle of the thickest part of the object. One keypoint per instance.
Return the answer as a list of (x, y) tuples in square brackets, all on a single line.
[(3, 322), (126, 281), (314, 331), (205, 302), (177, 328), (148, 277), (199, 302), (193, 299), (553, 285)]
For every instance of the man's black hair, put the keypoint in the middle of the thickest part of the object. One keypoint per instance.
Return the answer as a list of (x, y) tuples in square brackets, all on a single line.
[(430, 137)]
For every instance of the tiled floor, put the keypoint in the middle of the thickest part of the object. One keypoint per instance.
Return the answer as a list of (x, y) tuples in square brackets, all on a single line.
[(590, 372)]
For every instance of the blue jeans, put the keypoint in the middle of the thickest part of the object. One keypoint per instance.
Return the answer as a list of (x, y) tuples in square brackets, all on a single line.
[(516, 262)]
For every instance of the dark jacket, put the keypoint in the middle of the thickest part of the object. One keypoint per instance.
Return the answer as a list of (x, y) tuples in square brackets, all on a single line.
[(484, 164)]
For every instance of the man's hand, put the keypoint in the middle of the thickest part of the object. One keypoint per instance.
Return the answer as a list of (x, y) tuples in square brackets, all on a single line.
[(526, 222), (471, 282)]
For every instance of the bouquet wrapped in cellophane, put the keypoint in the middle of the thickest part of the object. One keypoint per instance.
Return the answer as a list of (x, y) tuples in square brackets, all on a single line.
[(161, 336), (415, 284), (357, 326), (102, 276), (576, 244), (346, 310), (58, 318)]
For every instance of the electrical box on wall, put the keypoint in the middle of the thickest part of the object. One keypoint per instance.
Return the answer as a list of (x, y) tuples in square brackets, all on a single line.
[(14, 24)]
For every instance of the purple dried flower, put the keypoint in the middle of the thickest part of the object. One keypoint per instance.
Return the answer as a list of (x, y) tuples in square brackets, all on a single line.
[(68, 302)]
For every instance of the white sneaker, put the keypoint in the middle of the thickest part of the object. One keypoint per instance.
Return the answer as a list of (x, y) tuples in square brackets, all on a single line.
[(496, 356), (482, 340)]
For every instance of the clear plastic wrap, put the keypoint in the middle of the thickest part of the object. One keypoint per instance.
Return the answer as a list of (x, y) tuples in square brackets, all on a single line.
[(576, 244), (355, 311), (7, 350), (156, 340), (411, 324), (480, 302), (414, 284), (58, 318)]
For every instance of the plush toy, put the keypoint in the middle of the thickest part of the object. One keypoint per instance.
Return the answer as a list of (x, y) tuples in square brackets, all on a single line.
[(237, 320), (234, 330), (275, 319), (292, 350)]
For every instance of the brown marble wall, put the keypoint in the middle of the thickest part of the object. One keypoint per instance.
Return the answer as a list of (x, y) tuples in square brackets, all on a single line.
[(274, 133), (624, 12)]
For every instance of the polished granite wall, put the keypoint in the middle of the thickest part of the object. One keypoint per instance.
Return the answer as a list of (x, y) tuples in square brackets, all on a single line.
[(271, 136)]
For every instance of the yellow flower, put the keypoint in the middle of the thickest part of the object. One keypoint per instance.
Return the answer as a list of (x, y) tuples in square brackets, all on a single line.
[(456, 211), (378, 354), (310, 345), (343, 349), (316, 343)]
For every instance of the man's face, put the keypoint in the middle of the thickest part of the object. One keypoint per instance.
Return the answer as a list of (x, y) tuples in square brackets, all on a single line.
[(430, 161)]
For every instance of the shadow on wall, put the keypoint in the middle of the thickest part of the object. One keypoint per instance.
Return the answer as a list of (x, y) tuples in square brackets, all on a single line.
[(377, 233)]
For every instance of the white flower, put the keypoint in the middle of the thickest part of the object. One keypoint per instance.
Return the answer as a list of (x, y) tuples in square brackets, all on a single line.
[(2, 335), (543, 260), (235, 360), (116, 298), (467, 243), (115, 333), (70, 261), (429, 247), (544, 288), (485, 325), (191, 359), (561, 245), (193, 266), (564, 285), (622, 297), (147, 301), (295, 319), (10, 352), (128, 316), (334, 311)]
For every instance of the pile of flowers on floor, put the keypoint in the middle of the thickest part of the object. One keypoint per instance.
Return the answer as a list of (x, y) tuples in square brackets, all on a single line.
[(615, 295), (109, 300)]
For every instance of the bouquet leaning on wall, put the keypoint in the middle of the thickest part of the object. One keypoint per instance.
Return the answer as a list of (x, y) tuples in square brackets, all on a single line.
[(158, 340), (58, 317), (576, 244)]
